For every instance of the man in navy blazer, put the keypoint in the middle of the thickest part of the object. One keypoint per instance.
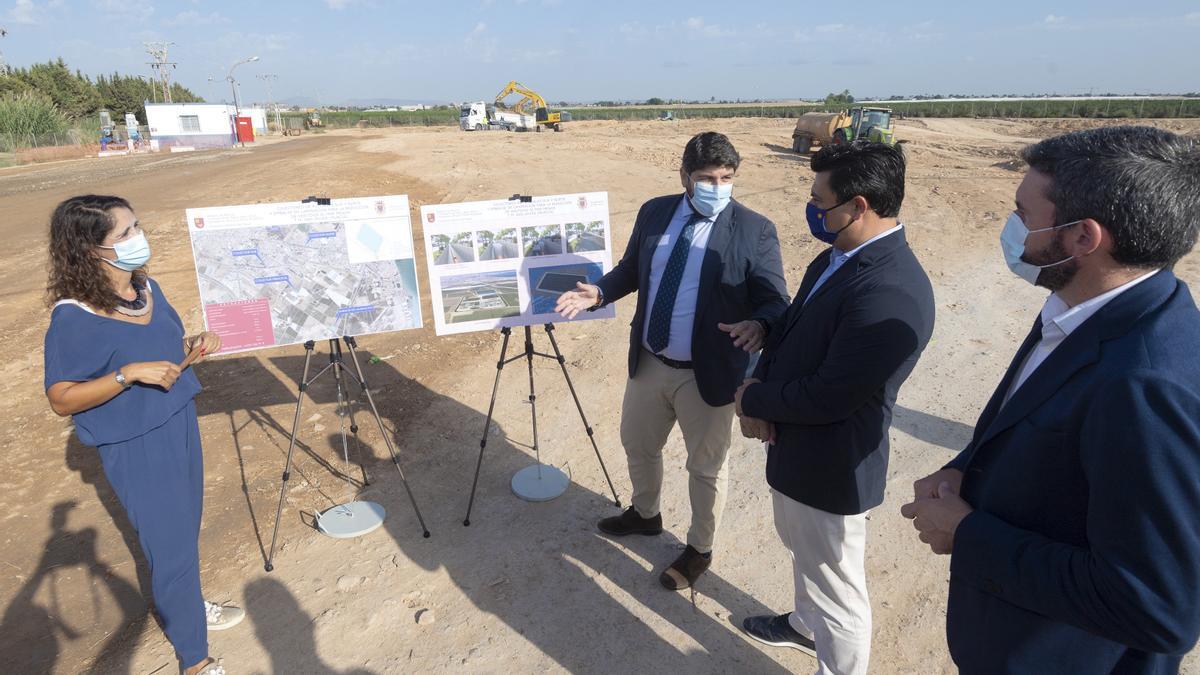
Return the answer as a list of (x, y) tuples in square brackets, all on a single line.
[(709, 280), (822, 397), (1073, 516)]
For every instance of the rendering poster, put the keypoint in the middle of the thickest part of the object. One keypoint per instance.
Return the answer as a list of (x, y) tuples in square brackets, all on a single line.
[(280, 274), (505, 262)]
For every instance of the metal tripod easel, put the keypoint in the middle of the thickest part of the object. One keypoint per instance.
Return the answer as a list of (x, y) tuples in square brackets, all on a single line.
[(353, 518), (540, 482)]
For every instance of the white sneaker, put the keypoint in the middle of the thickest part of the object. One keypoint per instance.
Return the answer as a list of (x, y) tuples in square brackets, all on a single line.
[(222, 617)]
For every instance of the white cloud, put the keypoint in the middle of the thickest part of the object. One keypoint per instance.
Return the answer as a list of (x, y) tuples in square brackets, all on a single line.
[(338, 4), (697, 24), (23, 12), (923, 32), (832, 28), (533, 55), (477, 43), (193, 18), (763, 29), (120, 7), (236, 43), (1194, 16), (1052, 19)]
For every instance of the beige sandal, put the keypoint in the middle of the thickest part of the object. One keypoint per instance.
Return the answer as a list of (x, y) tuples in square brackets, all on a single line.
[(213, 667)]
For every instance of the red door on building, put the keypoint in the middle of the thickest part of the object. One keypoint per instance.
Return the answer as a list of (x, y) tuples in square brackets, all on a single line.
[(245, 130)]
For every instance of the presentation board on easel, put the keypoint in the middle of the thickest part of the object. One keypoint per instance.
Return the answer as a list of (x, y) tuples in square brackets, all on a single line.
[(285, 273), (503, 263)]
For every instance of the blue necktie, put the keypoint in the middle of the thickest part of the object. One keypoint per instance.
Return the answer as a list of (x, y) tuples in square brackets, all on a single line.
[(659, 333)]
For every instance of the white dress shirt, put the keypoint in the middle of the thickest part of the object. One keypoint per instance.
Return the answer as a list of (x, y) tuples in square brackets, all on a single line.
[(1059, 321), (837, 259), (683, 316)]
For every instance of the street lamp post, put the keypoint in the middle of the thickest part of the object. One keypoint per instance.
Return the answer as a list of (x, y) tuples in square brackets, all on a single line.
[(153, 89), (237, 109)]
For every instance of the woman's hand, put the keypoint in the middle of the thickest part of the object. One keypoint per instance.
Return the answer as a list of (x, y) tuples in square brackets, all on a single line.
[(207, 342), (156, 373)]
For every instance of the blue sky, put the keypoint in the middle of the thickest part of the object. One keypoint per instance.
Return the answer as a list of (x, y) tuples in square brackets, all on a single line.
[(337, 50)]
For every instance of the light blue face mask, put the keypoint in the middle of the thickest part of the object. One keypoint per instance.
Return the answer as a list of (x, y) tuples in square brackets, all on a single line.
[(131, 253), (1012, 241), (709, 199)]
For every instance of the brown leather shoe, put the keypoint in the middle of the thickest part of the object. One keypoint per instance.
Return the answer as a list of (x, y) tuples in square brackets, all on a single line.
[(685, 570)]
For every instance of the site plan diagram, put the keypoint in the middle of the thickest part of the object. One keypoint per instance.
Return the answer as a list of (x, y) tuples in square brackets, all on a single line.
[(279, 274)]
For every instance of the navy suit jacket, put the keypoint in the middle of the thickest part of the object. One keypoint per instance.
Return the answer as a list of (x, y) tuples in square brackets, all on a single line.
[(1083, 552), (830, 373), (741, 278)]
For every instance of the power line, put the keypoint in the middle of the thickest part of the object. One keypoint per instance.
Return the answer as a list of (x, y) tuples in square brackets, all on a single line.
[(268, 78), (161, 66)]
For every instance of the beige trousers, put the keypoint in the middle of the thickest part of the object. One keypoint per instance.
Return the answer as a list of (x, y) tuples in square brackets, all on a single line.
[(828, 561), (655, 399)]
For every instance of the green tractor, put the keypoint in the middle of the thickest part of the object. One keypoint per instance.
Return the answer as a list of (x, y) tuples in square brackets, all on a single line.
[(871, 124)]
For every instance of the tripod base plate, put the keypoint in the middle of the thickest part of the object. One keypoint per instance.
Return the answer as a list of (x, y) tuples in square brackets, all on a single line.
[(539, 483), (352, 519)]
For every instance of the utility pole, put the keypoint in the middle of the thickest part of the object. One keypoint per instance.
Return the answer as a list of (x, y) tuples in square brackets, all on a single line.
[(161, 66), (153, 89), (268, 78)]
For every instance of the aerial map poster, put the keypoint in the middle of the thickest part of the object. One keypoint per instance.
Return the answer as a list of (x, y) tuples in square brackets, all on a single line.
[(280, 274), (505, 262)]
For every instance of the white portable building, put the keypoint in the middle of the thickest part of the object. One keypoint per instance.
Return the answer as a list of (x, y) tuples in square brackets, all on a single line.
[(198, 125)]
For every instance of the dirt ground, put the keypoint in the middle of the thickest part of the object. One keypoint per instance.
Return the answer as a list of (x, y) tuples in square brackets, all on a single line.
[(527, 587)]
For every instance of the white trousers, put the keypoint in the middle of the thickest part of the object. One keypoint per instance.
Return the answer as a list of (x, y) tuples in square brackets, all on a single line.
[(832, 607)]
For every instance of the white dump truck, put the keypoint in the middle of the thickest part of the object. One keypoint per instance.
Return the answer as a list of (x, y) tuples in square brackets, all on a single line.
[(482, 116)]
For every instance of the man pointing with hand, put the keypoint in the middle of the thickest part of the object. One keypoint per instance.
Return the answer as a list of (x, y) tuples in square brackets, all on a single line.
[(711, 282)]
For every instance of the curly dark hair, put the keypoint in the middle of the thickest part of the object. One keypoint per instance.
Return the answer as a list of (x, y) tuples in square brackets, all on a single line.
[(77, 227)]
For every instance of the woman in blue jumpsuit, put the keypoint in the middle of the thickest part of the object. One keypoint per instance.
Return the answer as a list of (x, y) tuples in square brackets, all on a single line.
[(113, 356)]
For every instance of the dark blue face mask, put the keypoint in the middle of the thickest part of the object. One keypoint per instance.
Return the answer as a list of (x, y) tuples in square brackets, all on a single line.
[(816, 221)]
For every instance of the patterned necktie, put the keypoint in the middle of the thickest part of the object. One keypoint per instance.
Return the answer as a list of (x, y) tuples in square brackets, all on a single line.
[(659, 333)]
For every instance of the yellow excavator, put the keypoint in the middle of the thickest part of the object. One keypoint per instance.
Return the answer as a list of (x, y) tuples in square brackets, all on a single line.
[(532, 103)]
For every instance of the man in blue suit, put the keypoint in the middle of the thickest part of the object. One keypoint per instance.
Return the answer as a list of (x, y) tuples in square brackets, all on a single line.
[(1073, 516), (710, 281), (822, 397)]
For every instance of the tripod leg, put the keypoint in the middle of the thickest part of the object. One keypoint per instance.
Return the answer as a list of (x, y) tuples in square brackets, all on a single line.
[(357, 443), (345, 409), (308, 352), (562, 363), (537, 453), (487, 424), (352, 345)]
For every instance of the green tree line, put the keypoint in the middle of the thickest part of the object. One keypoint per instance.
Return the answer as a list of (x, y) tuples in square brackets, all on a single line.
[(77, 97)]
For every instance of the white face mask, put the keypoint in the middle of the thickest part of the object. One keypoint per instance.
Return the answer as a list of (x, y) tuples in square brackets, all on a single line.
[(131, 253), (709, 199), (1012, 241)]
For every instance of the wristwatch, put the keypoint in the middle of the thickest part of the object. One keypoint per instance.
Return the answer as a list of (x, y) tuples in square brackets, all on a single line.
[(120, 377)]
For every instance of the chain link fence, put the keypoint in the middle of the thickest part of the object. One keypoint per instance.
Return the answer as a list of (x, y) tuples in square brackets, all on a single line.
[(18, 149)]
